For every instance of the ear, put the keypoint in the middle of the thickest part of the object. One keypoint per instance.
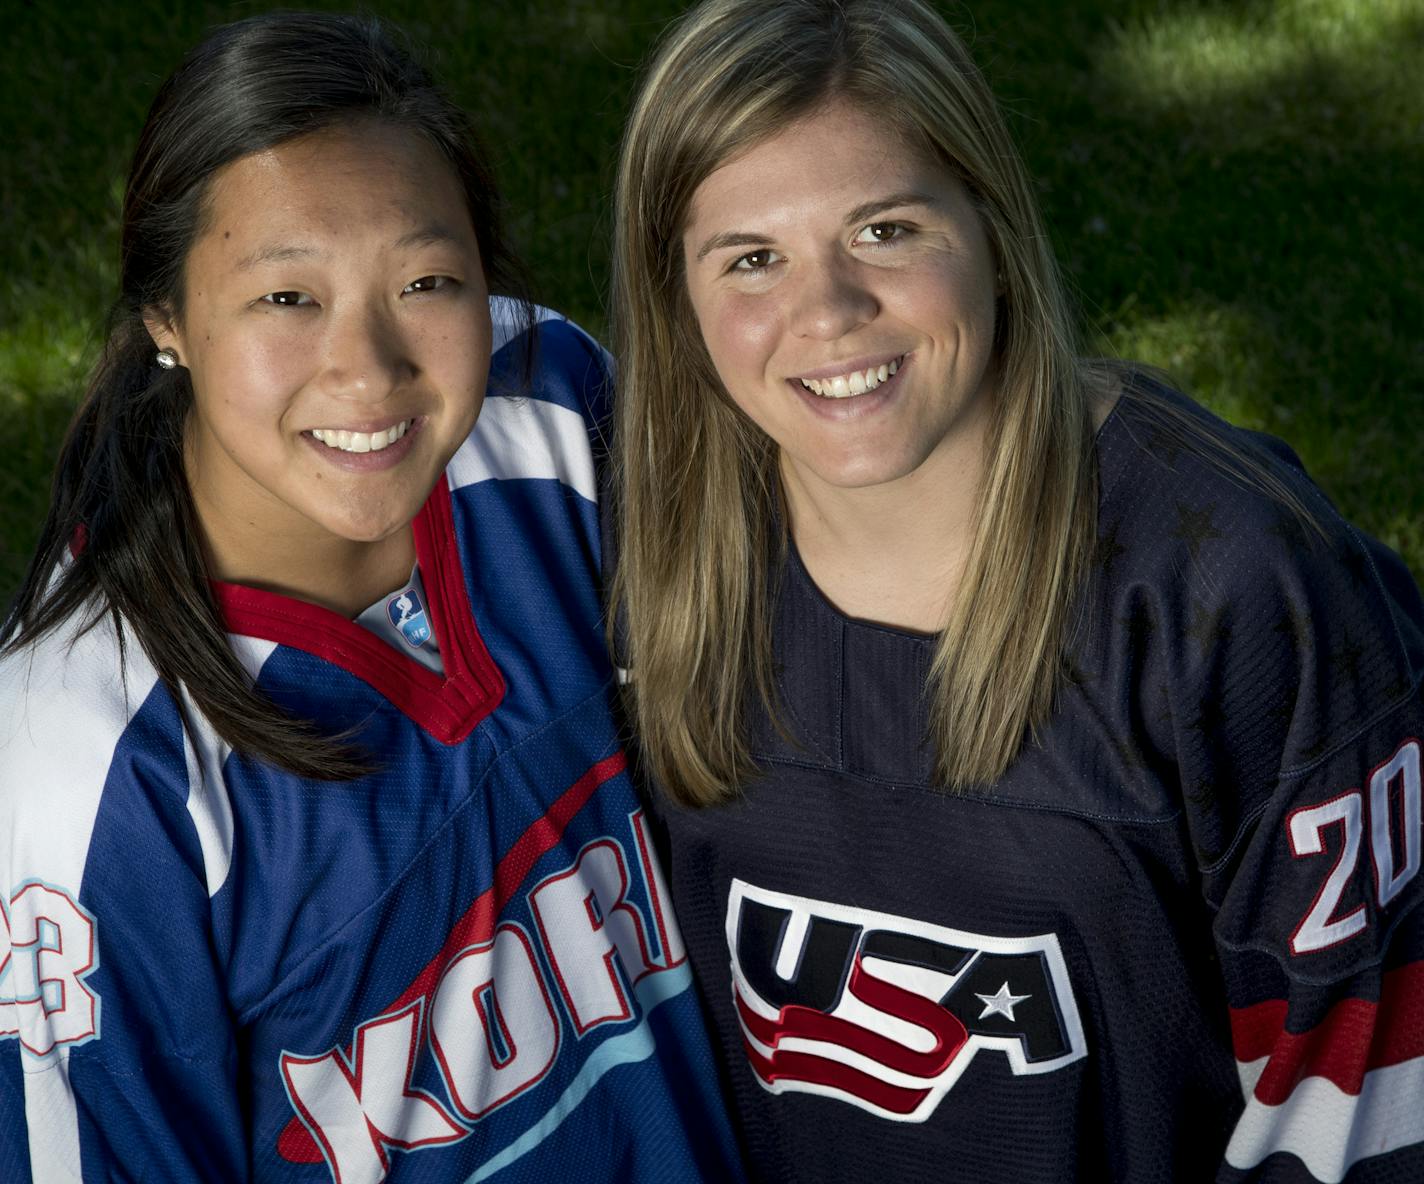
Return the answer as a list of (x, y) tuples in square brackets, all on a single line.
[(163, 329)]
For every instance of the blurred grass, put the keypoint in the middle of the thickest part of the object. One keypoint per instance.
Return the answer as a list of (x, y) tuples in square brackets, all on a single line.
[(1234, 187)]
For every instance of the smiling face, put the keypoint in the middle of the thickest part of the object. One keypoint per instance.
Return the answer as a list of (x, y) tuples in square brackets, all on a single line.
[(336, 328), (845, 290)]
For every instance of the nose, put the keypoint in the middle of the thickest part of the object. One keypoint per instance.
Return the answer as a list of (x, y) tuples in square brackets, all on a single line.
[(832, 300), (366, 354)]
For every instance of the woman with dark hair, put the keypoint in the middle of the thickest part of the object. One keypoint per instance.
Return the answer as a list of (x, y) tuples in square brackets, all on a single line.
[(319, 855), (1039, 756)]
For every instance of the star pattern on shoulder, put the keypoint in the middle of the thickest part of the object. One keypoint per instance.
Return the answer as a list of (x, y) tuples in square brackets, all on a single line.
[(1164, 707), (1210, 719), (1291, 531), (1206, 856), (1195, 527), (1165, 446), (1295, 623), (1345, 658), (1128, 755), (1075, 673), (1281, 711), (1208, 629), (1140, 629), (1106, 553), (1399, 685), (1200, 793), (1358, 564)]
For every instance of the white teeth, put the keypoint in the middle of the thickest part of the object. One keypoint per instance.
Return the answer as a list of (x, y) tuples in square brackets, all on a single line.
[(349, 441), (843, 386)]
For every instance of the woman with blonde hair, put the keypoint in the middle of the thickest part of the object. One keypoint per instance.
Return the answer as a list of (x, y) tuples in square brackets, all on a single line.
[(1038, 755)]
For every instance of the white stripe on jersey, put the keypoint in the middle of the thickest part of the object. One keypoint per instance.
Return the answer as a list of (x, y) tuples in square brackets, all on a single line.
[(208, 801), (65, 712), (62, 711), (1326, 1128), (526, 437), (205, 753), (507, 320), (53, 1120)]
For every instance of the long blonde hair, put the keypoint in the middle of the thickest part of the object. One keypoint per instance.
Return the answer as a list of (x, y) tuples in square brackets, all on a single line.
[(700, 534)]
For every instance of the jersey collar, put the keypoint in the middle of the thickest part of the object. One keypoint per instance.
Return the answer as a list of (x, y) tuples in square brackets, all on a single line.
[(447, 707)]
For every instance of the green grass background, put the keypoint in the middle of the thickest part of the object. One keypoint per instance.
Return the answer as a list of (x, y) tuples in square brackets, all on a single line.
[(1236, 189)]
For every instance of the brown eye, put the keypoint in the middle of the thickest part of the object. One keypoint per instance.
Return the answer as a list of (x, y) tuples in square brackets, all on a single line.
[(428, 283), (880, 232), (756, 260), (288, 299)]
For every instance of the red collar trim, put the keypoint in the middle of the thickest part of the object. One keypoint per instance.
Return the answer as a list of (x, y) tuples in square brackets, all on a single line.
[(448, 708)]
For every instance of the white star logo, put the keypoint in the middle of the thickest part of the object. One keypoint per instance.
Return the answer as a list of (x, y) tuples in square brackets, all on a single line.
[(1000, 1003)]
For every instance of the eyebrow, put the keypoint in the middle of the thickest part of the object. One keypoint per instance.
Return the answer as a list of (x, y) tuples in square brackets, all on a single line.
[(868, 209), (434, 235), (730, 238), (893, 202), (275, 253), (425, 236)]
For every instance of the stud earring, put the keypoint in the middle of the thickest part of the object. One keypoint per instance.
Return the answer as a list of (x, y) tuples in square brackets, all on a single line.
[(166, 358)]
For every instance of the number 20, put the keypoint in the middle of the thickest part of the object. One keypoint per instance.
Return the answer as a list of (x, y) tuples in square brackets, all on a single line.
[(1321, 928)]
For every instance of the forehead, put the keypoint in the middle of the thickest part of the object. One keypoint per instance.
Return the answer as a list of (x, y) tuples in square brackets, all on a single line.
[(340, 185), (831, 159)]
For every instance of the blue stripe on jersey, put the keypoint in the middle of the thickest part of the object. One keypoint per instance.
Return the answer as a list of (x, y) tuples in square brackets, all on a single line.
[(14, 1127), (548, 658), (570, 370), (149, 1032)]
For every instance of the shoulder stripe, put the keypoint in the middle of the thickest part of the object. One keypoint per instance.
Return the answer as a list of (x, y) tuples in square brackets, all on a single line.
[(527, 439), (1328, 1130), (1357, 1035), (53, 1121), (64, 710), (208, 801), (1344, 1090)]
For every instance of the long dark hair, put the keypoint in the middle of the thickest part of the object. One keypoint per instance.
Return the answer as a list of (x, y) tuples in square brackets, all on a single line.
[(120, 500)]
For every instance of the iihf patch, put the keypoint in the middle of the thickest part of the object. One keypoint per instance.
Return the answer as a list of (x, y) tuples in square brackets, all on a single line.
[(407, 614), (886, 1012)]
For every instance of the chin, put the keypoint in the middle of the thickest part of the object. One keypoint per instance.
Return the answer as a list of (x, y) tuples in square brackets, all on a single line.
[(370, 530), (863, 473)]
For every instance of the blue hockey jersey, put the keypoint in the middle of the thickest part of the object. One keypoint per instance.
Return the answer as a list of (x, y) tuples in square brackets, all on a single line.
[(1180, 939), (461, 967)]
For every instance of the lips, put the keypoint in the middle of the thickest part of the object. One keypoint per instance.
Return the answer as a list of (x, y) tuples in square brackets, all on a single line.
[(355, 451)]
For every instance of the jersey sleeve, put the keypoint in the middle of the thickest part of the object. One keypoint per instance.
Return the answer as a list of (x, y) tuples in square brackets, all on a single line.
[(1299, 724), (117, 1053)]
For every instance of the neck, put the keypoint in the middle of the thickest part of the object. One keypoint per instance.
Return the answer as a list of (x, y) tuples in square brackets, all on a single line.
[(338, 574), (891, 553)]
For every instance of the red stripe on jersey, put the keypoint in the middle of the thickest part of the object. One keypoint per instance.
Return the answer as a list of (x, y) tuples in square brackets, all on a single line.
[(809, 1069), (806, 1023), (1357, 1035), (477, 925), (449, 707)]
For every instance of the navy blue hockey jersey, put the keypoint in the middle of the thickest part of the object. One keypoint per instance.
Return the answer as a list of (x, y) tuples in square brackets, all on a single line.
[(463, 967), (1179, 940)]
